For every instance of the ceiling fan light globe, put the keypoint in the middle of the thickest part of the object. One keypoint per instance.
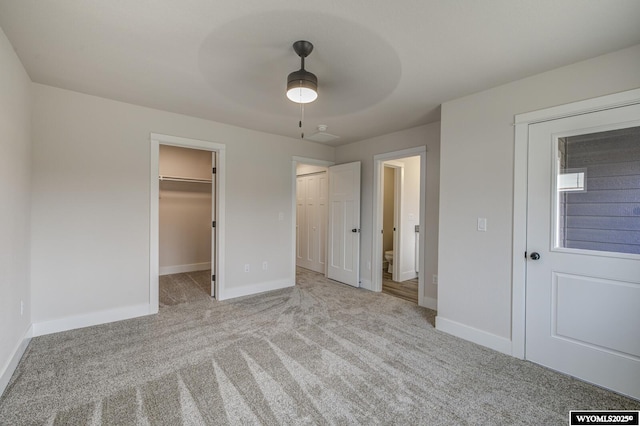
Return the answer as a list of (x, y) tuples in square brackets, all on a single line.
[(302, 95), (302, 86)]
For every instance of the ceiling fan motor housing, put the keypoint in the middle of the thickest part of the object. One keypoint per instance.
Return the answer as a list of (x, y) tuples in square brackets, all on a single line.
[(302, 85)]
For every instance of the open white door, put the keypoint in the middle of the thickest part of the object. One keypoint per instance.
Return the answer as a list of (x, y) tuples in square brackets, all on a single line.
[(583, 242), (344, 224), (213, 224)]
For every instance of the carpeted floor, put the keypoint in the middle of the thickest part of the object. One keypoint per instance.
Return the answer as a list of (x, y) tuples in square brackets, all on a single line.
[(318, 353), (184, 288)]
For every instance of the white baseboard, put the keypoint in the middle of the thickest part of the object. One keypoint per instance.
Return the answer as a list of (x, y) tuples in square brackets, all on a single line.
[(474, 335), (248, 290), (87, 320), (430, 303), (10, 366), (181, 269)]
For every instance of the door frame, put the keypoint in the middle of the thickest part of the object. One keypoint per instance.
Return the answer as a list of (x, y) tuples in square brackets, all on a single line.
[(156, 140), (520, 196), (294, 222), (378, 185)]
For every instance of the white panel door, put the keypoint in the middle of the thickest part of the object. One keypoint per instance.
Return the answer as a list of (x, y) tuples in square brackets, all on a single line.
[(583, 242), (301, 221), (344, 224), (311, 221)]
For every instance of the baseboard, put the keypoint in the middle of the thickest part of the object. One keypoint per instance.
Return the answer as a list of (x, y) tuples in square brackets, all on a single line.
[(181, 269), (12, 364), (474, 335), (430, 303), (248, 290), (87, 320)]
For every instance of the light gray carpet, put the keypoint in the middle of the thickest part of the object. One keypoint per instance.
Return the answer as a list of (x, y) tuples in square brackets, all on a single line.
[(184, 288), (319, 353)]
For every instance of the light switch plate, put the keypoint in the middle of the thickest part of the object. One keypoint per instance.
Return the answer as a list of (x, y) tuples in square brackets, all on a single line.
[(482, 224)]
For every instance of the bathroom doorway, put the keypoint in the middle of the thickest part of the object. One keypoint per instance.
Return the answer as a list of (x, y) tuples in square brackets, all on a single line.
[(399, 195)]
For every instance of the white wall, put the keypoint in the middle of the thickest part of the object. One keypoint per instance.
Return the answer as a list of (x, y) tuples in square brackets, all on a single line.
[(427, 135), (477, 181), (184, 210), (15, 182), (90, 229)]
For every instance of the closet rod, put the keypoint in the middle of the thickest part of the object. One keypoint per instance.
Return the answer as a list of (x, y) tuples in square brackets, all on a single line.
[(183, 179)]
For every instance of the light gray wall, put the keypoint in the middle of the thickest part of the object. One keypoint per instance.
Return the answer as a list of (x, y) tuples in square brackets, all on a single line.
[(477, 181), (90, 228), (364, 151), (15, 181)]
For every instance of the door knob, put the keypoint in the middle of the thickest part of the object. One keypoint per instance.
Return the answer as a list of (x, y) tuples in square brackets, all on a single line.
[(355, 230), (535, 255)]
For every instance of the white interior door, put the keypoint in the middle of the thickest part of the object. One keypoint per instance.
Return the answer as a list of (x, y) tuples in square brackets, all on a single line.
[(214, 224), (344, 224), (398, 251), (311, 221), (583, 242)]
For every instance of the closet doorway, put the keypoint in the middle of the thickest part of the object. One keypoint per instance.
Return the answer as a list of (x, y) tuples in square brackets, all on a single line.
[(186, 217), (186, 235)]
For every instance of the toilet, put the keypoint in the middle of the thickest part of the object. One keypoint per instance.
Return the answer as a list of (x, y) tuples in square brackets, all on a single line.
[(388, 256)]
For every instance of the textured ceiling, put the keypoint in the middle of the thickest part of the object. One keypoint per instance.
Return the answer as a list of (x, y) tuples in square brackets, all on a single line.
[(382, 66)]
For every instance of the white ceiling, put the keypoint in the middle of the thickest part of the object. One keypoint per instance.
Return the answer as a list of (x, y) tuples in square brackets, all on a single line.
[(382, 65)]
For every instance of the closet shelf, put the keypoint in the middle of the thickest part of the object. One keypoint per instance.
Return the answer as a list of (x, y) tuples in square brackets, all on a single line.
[(183, 179)]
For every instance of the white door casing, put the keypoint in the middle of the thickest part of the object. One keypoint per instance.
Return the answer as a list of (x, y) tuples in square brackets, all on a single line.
[(379, 160), (218, 198), (582, 312), (343, 260)]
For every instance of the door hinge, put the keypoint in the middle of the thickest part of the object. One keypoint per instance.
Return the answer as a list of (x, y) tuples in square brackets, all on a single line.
[(213, 224), (525, 254), (213, 278), (213, 171)]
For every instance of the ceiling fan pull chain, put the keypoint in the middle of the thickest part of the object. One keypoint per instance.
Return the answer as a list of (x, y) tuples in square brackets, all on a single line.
[(301, 120)]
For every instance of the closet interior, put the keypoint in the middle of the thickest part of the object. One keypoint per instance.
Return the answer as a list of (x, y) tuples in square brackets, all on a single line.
[(186, 211)]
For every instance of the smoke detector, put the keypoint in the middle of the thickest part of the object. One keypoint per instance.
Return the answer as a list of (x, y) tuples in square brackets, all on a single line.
[(321, 135)]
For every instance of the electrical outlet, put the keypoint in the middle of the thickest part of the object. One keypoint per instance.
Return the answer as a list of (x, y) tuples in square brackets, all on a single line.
[(21, 308), (265, 265), (246, 267), (434, 279)]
